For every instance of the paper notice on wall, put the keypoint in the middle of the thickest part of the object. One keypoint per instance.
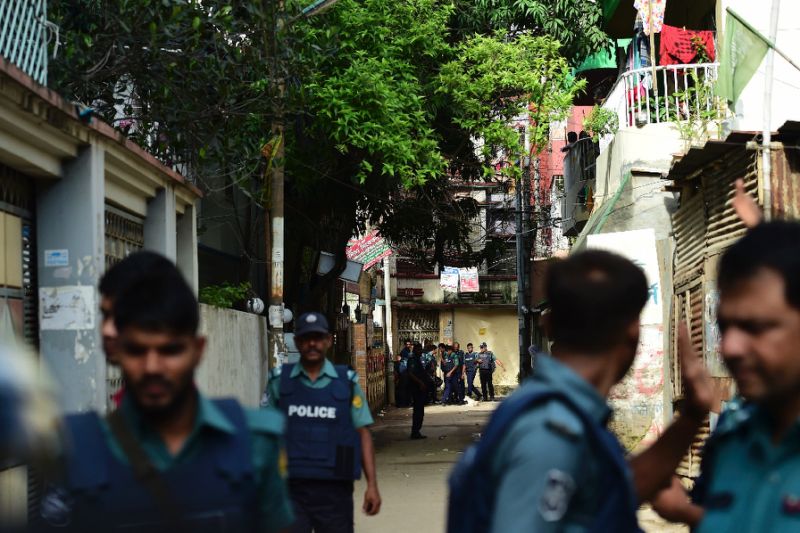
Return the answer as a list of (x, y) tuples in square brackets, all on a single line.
[(67, 308), (468, 280), (449, 279)]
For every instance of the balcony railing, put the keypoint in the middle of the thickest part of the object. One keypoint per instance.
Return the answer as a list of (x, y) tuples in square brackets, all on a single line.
[(23, 36), (685, 92)]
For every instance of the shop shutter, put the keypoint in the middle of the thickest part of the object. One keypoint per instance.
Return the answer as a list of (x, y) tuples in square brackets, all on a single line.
[(785, 184), (724, 226), (689, 227)]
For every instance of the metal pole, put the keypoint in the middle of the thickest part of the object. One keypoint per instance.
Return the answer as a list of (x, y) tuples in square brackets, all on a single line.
[(387, 326), (766, 152), (520, 280), (276, 192)]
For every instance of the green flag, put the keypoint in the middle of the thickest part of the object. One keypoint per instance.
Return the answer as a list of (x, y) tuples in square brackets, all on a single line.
[(742, 50)]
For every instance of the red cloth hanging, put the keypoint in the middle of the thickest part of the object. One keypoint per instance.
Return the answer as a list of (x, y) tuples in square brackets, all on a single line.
[(677, 48)]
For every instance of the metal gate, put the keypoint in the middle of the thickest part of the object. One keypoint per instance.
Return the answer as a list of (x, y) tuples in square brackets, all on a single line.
[(418, 326), (124, 234)]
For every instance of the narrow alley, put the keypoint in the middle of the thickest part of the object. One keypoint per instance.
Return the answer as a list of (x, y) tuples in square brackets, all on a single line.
[(412, 474)]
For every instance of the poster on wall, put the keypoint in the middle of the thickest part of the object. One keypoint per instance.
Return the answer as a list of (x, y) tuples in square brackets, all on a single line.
[(449, 279), (67, 308), (468, 280), (640, 247)]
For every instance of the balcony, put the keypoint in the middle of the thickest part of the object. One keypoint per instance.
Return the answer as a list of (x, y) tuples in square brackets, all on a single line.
[(685, 93), (24, 36)]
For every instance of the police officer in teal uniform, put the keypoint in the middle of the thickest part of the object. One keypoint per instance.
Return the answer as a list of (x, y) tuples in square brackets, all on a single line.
[(328, 439), (169, 459), (548, 471), (449, 367), (460, 373), (471, 368), (429, 363), (750, 471)]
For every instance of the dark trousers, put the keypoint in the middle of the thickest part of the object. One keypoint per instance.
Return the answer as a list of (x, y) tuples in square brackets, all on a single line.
[(432, 386), (450, 386), (486, 383), (322, 506), (418, 398), (402, 393), (471, 388), (462, 389)]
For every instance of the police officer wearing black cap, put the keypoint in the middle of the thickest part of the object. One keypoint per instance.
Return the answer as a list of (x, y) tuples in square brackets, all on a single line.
[(327, 437)]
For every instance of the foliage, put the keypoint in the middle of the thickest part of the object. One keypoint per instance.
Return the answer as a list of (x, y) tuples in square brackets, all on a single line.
[(225, 295), (601, 121), (576, 24), (699, 113), (496, 81)]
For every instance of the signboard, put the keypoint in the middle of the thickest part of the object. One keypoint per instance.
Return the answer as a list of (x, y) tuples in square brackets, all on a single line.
[(56, 258), (468, 280), (449, 279), (370, 249)]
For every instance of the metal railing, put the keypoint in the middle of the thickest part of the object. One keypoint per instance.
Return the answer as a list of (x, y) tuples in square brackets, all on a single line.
[(24, 36), (684, 92)]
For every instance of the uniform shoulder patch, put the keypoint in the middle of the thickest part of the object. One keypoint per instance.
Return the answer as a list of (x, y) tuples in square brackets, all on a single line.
[(352, 375), (561, 421), (266, 420), (558, 490), (276, 372)]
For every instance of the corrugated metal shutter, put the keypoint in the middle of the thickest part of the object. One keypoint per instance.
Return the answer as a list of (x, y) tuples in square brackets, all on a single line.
[(687, 308), (688, 224), (785, 184), (724, 226), (690, 464)]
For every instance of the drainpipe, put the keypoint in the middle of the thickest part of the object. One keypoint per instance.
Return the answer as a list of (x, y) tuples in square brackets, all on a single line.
[(387, 326), (766, 152)]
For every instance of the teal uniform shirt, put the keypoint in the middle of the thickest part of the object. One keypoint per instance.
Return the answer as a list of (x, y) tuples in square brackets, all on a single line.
[(267, 453), (547, 476), (750, 484), (359, 410)]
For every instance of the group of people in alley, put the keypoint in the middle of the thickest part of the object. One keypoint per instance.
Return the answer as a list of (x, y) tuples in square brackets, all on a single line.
[(169, 458)]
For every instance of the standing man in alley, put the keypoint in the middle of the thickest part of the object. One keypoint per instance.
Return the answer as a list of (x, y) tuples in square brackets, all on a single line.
[(449, 367), (419, 390), (327, 435), (470, 369), (140, 467), (460, 373), (487, 362)]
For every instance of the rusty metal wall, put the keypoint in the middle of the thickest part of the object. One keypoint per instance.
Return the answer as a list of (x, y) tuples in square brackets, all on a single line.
[(786, 183)]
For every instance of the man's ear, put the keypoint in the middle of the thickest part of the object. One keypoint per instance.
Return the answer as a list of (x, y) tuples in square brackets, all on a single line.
[(200, 343)]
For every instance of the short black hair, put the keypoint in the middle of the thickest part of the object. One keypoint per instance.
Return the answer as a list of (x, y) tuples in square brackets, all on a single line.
[(131, 268), (771, 245), (159, 301), (442, 345), (594, 296)]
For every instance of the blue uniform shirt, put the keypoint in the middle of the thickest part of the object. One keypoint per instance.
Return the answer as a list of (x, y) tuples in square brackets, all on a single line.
[(547, 475), (750, 484)]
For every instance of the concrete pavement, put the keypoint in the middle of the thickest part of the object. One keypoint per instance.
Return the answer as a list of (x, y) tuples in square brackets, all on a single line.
[(412, 475)]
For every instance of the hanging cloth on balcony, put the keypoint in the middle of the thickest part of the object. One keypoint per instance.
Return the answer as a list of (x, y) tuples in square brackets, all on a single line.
[(652, 13), (680, 46)]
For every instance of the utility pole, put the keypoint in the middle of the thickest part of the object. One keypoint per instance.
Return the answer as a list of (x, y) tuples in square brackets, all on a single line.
[(387, 325), (276, 218), (521, 273), (766, 136)]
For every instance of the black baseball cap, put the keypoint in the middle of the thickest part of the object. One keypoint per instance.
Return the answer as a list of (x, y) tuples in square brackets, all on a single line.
[(483, 345), (311, 323)]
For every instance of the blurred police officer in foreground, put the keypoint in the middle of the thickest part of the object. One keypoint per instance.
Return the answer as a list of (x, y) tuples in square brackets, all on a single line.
[(546, 452), (749, 477), (327, 435), (169, 459)]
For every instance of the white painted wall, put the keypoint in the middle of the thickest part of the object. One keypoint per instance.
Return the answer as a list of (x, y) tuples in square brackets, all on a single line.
[(235, 362), (786, 88)]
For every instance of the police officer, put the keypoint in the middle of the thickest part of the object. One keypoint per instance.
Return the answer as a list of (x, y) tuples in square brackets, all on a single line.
[(487, 362), (749, 474), (429, 362), (403, 389), (460, 373), (449, 366), (420, 384), (549, 469), (471, 368), (327, 436), (169, 459)]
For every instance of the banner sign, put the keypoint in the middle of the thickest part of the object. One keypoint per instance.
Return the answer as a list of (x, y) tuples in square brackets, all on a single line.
[(449, 279), (468, 280), (370, 249)]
